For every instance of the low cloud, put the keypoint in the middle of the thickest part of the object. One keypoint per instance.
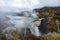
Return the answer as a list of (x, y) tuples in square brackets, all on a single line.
[(16, 5)]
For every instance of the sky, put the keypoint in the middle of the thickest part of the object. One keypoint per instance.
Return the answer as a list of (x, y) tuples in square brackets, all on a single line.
[(17, 5)]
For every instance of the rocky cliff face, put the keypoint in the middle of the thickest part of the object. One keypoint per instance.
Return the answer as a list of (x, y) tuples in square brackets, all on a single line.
[(50, 12)]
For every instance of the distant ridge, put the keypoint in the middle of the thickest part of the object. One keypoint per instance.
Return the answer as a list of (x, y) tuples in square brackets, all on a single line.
[(56, 8)]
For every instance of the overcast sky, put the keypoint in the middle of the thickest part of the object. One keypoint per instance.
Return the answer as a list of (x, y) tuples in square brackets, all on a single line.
[(16, 5)]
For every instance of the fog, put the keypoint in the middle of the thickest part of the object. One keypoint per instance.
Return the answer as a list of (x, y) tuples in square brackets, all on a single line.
[(15, 6)]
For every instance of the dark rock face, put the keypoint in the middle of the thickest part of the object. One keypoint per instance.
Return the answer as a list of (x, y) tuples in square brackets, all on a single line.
[(43, 27)]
